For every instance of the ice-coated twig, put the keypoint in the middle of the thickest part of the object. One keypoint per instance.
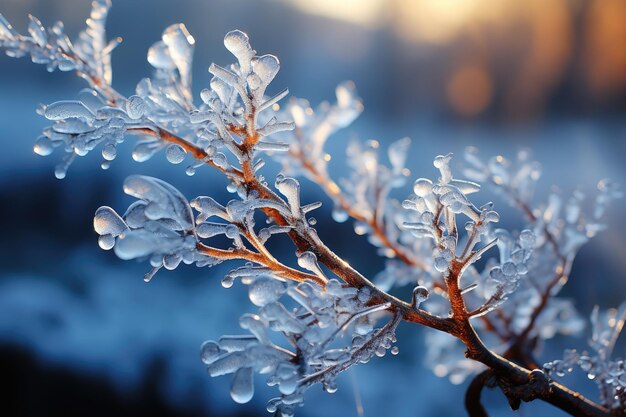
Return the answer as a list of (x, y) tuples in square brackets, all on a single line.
[(234, 127)]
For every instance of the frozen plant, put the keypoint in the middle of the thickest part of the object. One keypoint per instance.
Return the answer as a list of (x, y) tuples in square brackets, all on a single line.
[(318, 315)]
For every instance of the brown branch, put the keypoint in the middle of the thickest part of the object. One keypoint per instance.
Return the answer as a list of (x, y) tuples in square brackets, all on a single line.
[(196, 151), (473, 405), (458, 326), (514, 375), (260, 259)]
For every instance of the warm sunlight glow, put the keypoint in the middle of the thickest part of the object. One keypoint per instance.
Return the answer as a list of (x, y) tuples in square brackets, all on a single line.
[(470, 90), (431, 20), (363, 12)]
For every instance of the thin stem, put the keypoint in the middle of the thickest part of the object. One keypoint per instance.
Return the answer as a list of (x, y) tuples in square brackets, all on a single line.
[(333, 191), (367, 347), (258, 258)]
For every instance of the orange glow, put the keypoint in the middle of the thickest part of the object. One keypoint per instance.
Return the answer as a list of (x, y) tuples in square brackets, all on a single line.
[(549, 25), (605, 46), (364, 12), (470, 90), (432, 20), (508, 54)]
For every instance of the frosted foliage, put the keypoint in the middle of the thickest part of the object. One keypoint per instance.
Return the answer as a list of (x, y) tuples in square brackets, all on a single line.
[(314, 315), (162, 104), (323, 332), (608, 372), (159, 226), (532, 264)]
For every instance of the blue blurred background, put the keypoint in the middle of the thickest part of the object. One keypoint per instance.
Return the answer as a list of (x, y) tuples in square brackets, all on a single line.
[(80, 333)]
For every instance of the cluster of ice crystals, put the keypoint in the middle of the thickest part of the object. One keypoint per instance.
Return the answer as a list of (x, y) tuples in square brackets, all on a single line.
[(516, 178), (560, 227), (233, 107), (89, 54), (504, 278), (555, 232), (314, 128), (436, 205), (323, 331), (80, 125), (370, 182), (159, 226), (365, 192), (607, 372)]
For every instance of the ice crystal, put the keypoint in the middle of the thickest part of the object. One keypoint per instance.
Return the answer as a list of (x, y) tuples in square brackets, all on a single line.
[(607, 372)]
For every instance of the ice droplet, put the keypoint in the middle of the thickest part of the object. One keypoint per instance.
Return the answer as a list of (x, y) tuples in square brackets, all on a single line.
[(266, 67), (107, 222), (509, 269), (222, 90), (159, 56), (67, 65), (205, 93), (308, 261), (272, 405), (72, 126), (175, 154), (339, 215), (133, 245), (171, 262), (420, 294), (60, 171), (330, 387), (442, 162), (441, 264), (180, 45), (265, 290), (228, 364), (109, 152), (491, 217), (65, 109), (145, 150), (527, 239), (106, 242), (43, 146), (395, 350), (422, 187), (228, 281), (238, 44), (242, 388), (135, 107), (209, 352), (290, 188)]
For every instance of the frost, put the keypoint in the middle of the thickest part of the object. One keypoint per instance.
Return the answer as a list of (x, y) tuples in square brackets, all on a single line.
[(316, 324), (62, 110), (316, 315), (607, 372)]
